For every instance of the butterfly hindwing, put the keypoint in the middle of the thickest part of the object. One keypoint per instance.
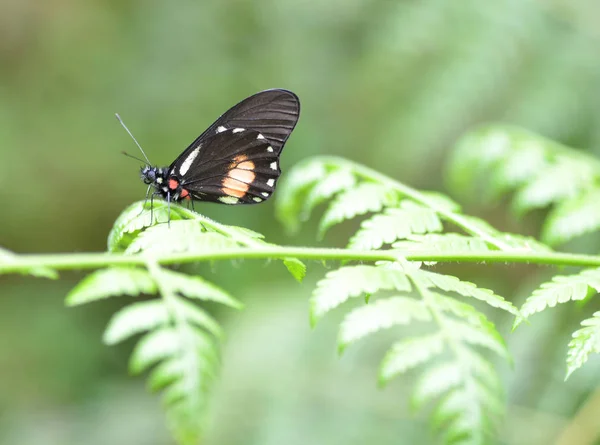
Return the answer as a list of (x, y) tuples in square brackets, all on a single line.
[(234, 166)]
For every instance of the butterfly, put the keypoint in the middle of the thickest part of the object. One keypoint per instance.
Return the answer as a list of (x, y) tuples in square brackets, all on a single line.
[(236, 159)]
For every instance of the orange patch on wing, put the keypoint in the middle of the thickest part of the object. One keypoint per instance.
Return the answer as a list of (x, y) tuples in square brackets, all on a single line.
[(173, 184), (234, 187), (246, 165), (241, 175)]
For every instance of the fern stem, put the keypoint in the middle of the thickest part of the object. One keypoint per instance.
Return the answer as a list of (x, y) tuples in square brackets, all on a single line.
[(419, 197), (24, 263)]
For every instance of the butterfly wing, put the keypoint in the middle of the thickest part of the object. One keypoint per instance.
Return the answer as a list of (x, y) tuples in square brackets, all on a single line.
[(273, 113), (236, 160), (231, 167)]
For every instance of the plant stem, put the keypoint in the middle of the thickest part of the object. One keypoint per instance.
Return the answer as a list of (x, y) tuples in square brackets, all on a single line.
[(74, 261)]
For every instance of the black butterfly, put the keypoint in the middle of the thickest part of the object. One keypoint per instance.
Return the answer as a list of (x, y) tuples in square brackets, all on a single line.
[(236, 160)]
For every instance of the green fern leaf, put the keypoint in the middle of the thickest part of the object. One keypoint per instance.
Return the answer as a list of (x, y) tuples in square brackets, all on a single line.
[(459, 309), (573, 218), (166, 373), (394, 224), (475, 154), (111, 282), (561, 289), (435, 382), (382, 314), (197, 287), (293, 190), (566, 178), (135, 319), (154, 347), (195, 315), (328, 186), (186, 396), (522, 242), (181, 236), (448, 242), (366, 197), (585, 341), (449, 283), (438, 201), (483, 334), (352, 281), (135, 218), (408, 354), (296, 268), (246, 233), (524, 161)]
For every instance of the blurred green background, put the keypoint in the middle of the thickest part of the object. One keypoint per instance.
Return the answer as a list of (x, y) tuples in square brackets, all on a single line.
[(391, 84)]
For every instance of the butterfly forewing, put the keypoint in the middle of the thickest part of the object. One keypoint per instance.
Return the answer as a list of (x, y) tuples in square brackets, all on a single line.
[(273, 113), (236, 160)]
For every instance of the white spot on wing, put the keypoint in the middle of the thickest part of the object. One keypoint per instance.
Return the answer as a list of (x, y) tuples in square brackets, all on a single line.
[(228, 199), (188, 161), (257, 199), (238, 130), (273, 165), (265, 194), (260, 136), (271, 182), (270, 149), (220, 129)]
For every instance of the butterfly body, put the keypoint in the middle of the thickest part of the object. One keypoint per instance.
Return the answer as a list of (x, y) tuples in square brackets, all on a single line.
[(236, 160)]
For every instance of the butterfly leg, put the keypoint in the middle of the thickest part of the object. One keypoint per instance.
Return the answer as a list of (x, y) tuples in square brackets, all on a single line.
[(169, 209), (145, 200)]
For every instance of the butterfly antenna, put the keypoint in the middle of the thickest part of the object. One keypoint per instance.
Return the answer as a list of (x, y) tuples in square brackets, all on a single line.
[(134, 140)]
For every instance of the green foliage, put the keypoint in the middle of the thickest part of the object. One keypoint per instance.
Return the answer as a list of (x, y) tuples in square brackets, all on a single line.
[(457, 375), (458, 331), (403, 230), (540, 172), (7, 257), (561, 289), (585, 341)]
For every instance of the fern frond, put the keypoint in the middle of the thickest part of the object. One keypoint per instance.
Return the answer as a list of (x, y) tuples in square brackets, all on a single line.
[(135, 319), (199, 288), (353, 281), (293, 190), (573, 218), (467, 387), (179, 236), (448, 242), (540, 172), (136, 218), (296, 268), (394, 224), (448, 283), (564, 178), (109, 282), (561, 289), (382, 314), (365, 198), (585, 342), (408, 354), (334, 182)]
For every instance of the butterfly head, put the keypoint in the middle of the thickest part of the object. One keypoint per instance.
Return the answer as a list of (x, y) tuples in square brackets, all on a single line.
[(152, 175)]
